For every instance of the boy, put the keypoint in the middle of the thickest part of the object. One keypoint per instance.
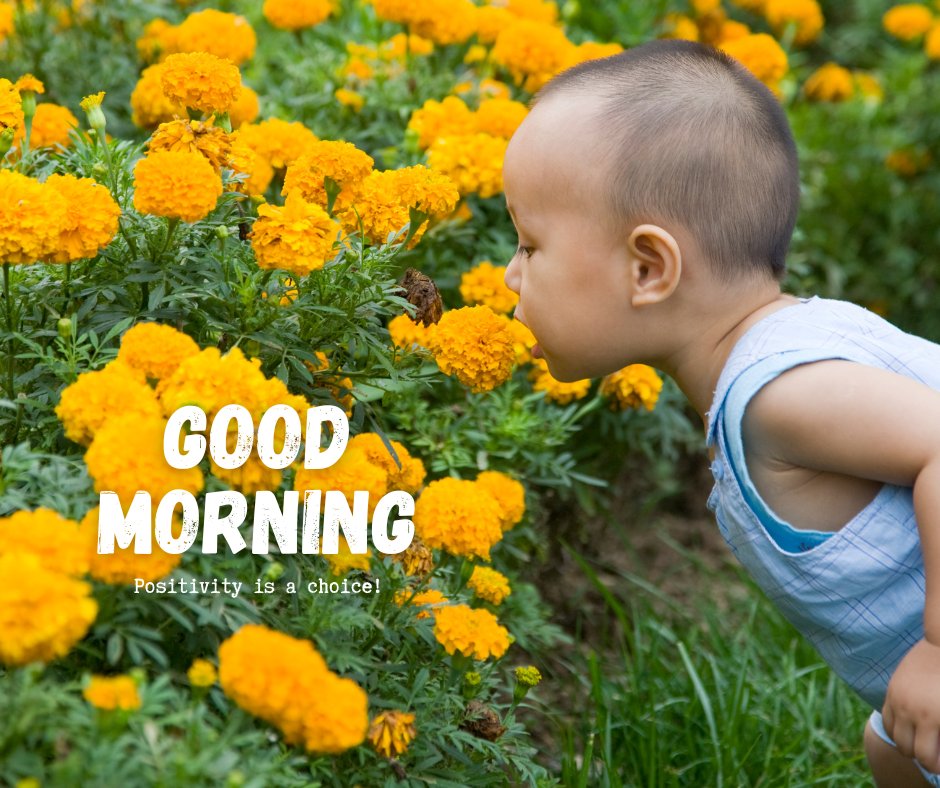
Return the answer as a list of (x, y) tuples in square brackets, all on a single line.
[(654, 194)]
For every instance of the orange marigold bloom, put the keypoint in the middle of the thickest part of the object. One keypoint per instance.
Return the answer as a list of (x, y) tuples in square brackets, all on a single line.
[(176, 184), (430, 598), (509, 494), (868, 86), (11, 106), (806, 15), (489, 584), (157, 40), (344, 560), (349, 98), (531, 51), (474, 162), (256, 170), (830, 82), (245, 109), (591, 50), (499, 117), (112, 692), (124, 565), (523, 340), (224, 35), (91, 218), (340, 161), (491, 21), (557, 390), (461, 628), (908, 21), (192, 136), (634, 386), (444, 21), (459, 516), (201, 81), (32, 216), (56, 542), (29, 83), (405, 333), (155, 349), (298, 237), (406, 473), (296, 14), (486, 284), (932, 42), (730, 30), (43, 612), (277, 140), (391, 732), (51, 126), (680, 26), (6, 21), (149, 105), (441, 118), (474, 343), (761, 55), (351, 473)]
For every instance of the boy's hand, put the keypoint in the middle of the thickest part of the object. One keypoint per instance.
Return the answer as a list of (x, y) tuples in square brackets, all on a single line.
[(912, 706)]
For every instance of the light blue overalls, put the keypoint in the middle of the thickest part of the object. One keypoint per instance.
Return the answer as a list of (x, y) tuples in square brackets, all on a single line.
[(857, 594)]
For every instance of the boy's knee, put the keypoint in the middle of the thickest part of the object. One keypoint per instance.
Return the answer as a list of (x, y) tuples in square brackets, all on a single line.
[(889, 767)]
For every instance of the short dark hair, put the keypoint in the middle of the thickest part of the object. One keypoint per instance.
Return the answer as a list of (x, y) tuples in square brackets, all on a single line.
[(689, 134)]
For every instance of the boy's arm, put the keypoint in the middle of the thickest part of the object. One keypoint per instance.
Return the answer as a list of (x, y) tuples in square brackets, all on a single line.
[(848, 418)]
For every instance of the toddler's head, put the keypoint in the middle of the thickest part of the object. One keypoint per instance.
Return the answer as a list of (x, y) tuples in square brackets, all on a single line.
[(640, 184)]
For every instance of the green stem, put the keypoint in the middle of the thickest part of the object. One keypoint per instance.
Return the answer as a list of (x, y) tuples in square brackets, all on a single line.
[(7, 297), (68, 279)]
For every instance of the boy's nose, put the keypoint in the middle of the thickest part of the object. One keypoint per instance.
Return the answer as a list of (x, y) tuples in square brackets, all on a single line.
[(511, 277)]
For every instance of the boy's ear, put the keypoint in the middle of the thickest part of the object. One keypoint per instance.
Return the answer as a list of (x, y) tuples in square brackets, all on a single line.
[(655, 264)]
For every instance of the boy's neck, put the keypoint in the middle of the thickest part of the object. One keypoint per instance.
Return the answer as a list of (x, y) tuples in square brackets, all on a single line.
[(697, 364)]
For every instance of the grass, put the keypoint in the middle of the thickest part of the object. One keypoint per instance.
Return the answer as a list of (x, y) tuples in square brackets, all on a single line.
[(716, 691)]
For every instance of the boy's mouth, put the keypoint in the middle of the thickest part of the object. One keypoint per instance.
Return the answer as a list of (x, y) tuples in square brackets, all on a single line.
[(537, 351)]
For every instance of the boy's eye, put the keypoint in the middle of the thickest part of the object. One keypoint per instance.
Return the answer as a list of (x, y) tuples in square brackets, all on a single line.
[(524, 250)]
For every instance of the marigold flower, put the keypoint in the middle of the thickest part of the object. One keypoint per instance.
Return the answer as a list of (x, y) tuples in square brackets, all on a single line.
[(352, 472), (296, 14), (591, 50), (51, 126), (391, 732), (201, 81), (405, 333), (868, 86), (531, 51), (297, 237), (523, 340), (830, 82), (908, 162), (475, 344), (528, 676), (680, 26), (176, 184), (489, 584), (499, 117), (29, 83), (149, 105), (56, 542), (806, 15), (245, 109), (6, 21), (224, 35), (244, 160), (91, 217), (342, 162), (285, 681), (761, 55), (416, 560), (112, 692), (43, 612), (124, 565), (444, 21), (406, 474), (460, 516), (349, 98), (32, 216), (730, 30), (430, 598), (124, 466), (277, 140), (634, 386), (11, 106), (485, 284), (557, 390), (932, 42), (701, 7), (469, 631), (754, 6), (192, 136), (250, 477), (202, 673), (907, 21), (491, 21), (344, 560), (155, 349), (441, 118), (509, 494), (157, 40)]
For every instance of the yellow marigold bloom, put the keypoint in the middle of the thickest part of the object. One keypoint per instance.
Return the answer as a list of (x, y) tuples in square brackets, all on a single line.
[(126, 466), (11, 106), (509, 494), (523, 340), (401, 45), (51, 126), (277, 140), (485, 284), (634, 386), (224, 35), (112, 692), (907, 21), (97, 396), (352, 472), (407, 474), (392, 10), (761, 55), (441, 119), (417, 559), (157, 40), (298, 237), (391, 732), (6, 21), (245, 109), (444, 21), (474, 162), (680, 26), (591, 50), (149, 106), (29, 83), (192, 136), (344, 560), (56, 542), (176, 184), (461, 628), (201, 81), (539, 10), (489, 584), (155, 349), (91, 218), (43, 612), (430, 598), (730, 30), (459, 516), (531, 51), (557, 390), (202, 673), (830, 82), (124, 565), (868, 86), (406, 333), (92, 101), (932, 42), (256, 170), (349, 98), (284, 681), (247, 479), (491, 21), (474, 343), (32, 216), (701, 7), (341, 161), (296, 14), (499, 117), (806, 15)]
